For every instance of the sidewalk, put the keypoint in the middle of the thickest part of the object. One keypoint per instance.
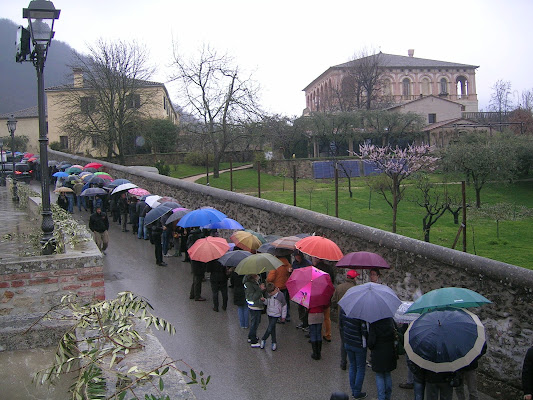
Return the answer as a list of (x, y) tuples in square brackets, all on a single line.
[(194, 178)]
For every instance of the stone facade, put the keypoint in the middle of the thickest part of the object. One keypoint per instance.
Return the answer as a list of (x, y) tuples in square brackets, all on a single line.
[(415, 265)]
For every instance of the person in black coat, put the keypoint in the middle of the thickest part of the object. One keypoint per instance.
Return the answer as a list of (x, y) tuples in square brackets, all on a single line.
[(155, 239), (219, 283), (198, 273), (239, 298), (527, 375), (381, 336)]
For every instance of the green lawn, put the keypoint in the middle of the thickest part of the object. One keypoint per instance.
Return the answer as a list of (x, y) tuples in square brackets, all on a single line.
[(513, 246)]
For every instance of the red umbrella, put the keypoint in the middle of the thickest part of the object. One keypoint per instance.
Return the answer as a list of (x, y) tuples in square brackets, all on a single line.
[(319, 247), (362, 260), (208, 249), (94, 165), (32, 159), (310, 287)]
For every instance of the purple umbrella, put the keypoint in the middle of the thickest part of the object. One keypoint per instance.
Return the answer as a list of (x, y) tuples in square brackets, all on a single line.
[(362, 260)]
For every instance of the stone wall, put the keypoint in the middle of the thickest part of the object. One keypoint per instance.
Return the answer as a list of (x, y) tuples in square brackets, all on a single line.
[(414, 264)]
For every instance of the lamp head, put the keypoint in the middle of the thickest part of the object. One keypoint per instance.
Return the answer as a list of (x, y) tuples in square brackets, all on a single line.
[(41, 15), (11, 124)]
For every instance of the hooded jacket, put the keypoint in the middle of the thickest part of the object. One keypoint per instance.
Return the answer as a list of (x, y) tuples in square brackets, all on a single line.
[(276, 305), (253, 293)]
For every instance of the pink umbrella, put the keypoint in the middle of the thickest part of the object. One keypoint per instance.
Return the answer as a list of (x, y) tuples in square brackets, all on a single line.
[(310, 287), (94, 165), (139, 192), (362, 260), (208, 249)]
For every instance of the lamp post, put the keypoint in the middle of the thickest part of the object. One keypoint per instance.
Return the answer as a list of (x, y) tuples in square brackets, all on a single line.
[(41, 15), (11, 127), (2, 177)]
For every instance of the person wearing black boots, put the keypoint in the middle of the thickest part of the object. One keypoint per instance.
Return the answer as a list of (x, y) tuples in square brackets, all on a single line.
[(316, 318)]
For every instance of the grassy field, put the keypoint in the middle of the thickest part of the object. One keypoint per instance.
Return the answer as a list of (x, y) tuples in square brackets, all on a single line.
[(513, 245)]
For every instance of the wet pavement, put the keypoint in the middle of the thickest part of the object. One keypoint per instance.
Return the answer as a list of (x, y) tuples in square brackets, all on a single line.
[(214, 343)]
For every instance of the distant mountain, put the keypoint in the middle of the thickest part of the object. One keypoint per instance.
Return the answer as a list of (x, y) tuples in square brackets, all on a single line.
[(18, 82)]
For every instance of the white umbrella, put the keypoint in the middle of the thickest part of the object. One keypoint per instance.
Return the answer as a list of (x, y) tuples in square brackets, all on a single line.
[(152, 200), (123, 187)]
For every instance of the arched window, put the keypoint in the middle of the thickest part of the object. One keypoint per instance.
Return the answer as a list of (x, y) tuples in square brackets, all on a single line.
[(426, 87), (387, 88), (462, 86), (443, 86), (406, 88)]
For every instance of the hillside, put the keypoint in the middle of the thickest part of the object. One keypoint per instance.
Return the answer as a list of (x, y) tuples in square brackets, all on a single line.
[(18, 82)]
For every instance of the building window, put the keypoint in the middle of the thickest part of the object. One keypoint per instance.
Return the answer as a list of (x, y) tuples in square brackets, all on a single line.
[(87, 105), (164, 103), (133, 101), (406, 88), (63, 141), (443, 86), (432, 118)]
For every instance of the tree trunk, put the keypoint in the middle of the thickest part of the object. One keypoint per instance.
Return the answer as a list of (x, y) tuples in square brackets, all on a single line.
[(478, 197), (216, 165), (394, 202)]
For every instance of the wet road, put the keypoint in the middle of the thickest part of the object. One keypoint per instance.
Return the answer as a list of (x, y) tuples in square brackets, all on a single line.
[(214, 343)]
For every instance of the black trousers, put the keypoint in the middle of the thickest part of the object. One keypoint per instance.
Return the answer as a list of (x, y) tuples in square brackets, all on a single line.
[(196, 287), (221, 287), (158, 249)]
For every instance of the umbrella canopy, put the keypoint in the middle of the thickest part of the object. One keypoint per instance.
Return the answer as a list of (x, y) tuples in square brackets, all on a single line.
[(156, 213), (362, 260), (257, 264), (83, 173), (139, 192), (233, 258), (91, 170), (201, 217), (445, 340), (103, 175), (208, 249), (401, 317), (124, 187), (60, 174), (72, 178), (87, 177), (93, 192), (226, 223), (370, 302), (275, 251), (95, 180), (64, 189), (258, 235), (245, 240), (94, 165), (171, 204), (320, 247), (151, 200), (287, 242), (310, 287), (447, 297), (116, 182), (177, 214), (271, 238)]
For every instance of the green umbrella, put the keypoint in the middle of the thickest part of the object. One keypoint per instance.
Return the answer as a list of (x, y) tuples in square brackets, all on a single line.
[(257, 235), (257, 264), (73, 170), (447, 297)]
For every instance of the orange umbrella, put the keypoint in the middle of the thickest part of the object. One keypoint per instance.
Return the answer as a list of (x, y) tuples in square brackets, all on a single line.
[(319, 247), (246, 241), (208, 249)]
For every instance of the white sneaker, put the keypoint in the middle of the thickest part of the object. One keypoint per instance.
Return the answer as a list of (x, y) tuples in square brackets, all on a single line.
[(262, 344), (274, 346), (255, 345)]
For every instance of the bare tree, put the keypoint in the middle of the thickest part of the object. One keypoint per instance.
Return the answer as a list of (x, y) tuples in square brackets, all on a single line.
[(215, 92), (500, 99), (106, 104), (527, 100), (365, 71)]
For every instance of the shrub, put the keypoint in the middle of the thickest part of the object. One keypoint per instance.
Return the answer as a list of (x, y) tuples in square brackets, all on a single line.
[(162, 167), (198, 159), (56, 146)]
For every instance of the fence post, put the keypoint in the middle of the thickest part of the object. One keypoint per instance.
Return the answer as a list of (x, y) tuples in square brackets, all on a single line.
[(231, 174), (336, 191), (294, 184), (259, 179)]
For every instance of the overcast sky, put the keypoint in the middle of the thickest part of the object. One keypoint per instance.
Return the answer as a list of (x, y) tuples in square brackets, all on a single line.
[(287, 44)]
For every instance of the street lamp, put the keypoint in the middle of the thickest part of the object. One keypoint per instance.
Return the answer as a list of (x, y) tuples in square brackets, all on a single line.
[(2, 177), (41, 15), (11, 127)]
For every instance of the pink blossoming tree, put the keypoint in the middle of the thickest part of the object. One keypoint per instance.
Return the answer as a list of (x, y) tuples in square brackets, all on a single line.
[(396, 165)]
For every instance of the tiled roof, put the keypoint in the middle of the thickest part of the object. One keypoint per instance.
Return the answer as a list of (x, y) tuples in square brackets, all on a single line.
[(423, 98), (31, 112), (394, 61), (141, 83), (447, 122)]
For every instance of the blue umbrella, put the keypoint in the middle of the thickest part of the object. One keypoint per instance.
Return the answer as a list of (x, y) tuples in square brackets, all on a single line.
[(226, 223), (370, 302), (445, 340), (60, 174), (156, 213), (201, 217)]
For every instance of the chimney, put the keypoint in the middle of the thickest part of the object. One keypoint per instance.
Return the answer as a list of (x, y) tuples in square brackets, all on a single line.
[(78, 77), (411, 52)]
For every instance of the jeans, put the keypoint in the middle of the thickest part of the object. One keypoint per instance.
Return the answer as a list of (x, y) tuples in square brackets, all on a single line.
[(70, 198), (343, 349), (357, 357), (271, 329), (384, 385), (315, 331), (255, 320), (80, 201), (420, 387), (433, 390), (143, 230), (244, 316)]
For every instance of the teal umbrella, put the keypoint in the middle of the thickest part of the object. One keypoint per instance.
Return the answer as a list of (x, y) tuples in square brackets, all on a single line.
[(447, 297)]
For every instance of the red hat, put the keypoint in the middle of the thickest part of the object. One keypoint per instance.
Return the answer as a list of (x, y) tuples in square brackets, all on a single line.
[(352, 274)]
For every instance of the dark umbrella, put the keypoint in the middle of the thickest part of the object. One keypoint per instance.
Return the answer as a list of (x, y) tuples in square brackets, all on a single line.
[(89, 169), (362, 260), (155, 214), (275, 251), (170, 204), (95, 180), (233, 258), (117, 182), (93, 192), (177, 214), (445, 340)]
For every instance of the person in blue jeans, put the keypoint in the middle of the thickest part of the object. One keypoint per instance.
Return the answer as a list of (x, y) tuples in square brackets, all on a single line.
[(355, 333), (276, 308), (381, 336), (254, 292)]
